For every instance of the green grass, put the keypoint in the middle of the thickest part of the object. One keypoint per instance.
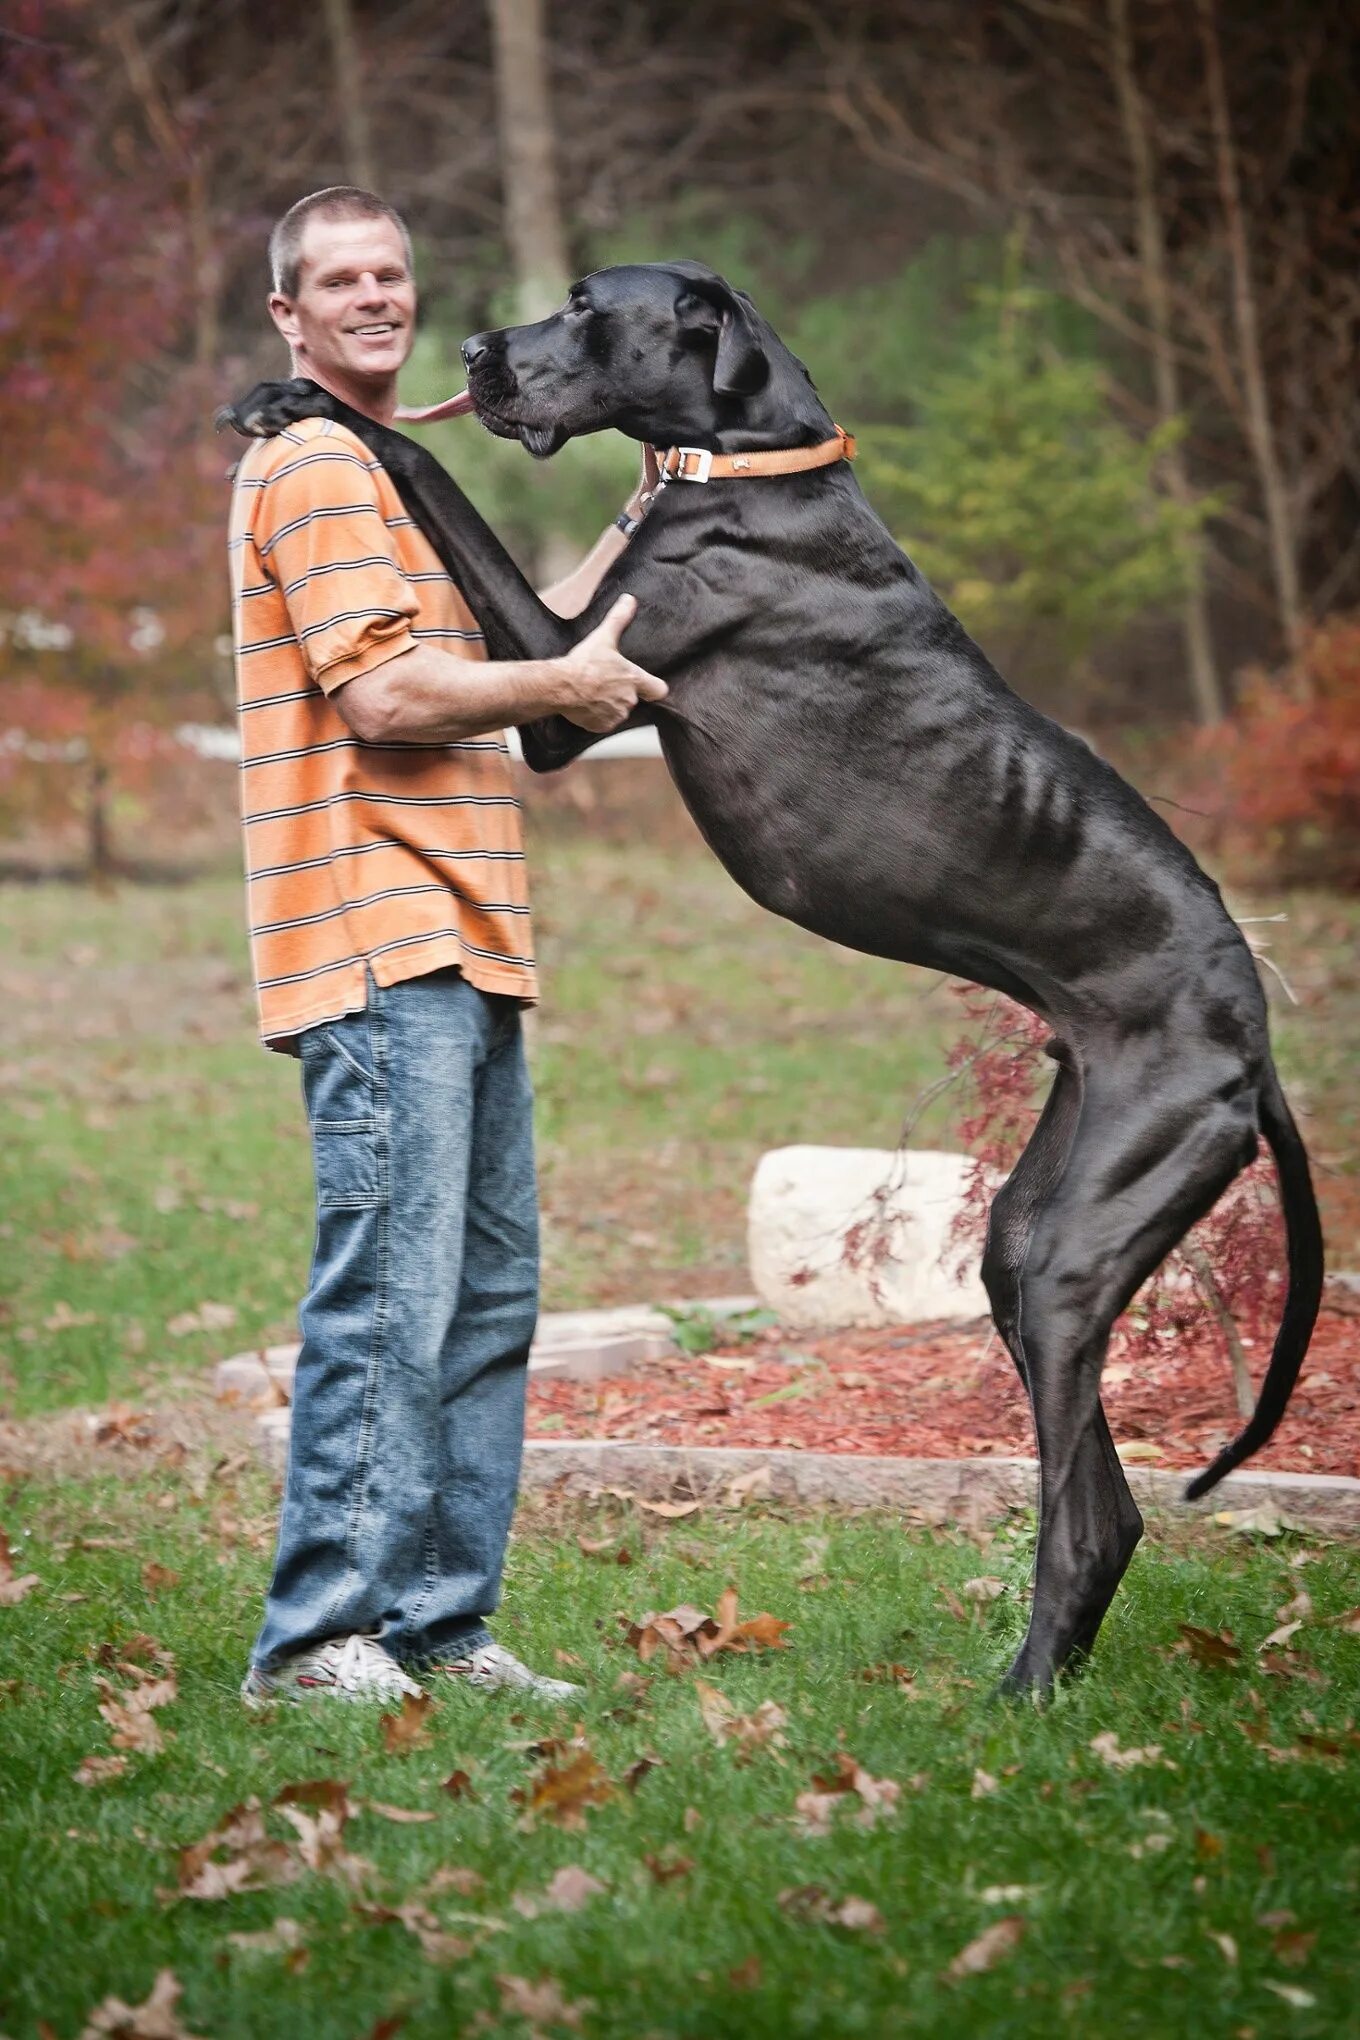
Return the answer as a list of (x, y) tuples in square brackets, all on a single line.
[(156, 1158), (1118, 1934)]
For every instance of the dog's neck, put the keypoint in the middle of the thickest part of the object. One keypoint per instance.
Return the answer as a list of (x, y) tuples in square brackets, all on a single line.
[(786, 412)]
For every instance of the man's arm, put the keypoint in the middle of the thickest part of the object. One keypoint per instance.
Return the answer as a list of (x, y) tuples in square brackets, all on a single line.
[(425, 696), (572, 594)]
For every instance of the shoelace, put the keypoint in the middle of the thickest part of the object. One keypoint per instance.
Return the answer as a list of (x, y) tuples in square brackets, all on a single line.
[(354, 1663)]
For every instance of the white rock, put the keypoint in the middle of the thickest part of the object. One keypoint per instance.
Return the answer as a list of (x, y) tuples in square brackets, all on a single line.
[(855, 1236)]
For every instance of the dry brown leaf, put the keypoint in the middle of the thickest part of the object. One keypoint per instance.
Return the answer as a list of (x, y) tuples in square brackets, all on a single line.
[(1215, 1650), (571, 1888), (746, 1975), (638, 1770), (761, 1729), (320, 1844), (874, 1799), (238, 1855), (1106, 1747), (1226, 1946), (458, 1785), (13, 1586), (453, 1877), (813, 1902), (435, 1944), (991, 1946), (983, 1785), (98, 1770), (1292, 1945), (131, 1727), (691, 1819), (330, 1793), (156, 2019), (982, 1590), (407, 1730), (281, 1939), (666, 1865), (405, 1815), (562, 1793), (209, 1317), (157, 1578), (541, 2003)]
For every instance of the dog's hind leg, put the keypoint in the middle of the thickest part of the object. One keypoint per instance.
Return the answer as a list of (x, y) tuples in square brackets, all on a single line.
[(1010, 1229), (1147, 1160)]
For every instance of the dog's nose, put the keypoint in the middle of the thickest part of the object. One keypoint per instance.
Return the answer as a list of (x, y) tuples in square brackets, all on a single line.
[(474, 350)]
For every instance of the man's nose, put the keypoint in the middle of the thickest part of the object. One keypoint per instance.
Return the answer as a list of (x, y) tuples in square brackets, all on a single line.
[(475, 350)]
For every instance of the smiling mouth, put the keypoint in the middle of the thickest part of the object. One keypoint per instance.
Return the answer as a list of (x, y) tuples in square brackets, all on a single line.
[(381, 330)]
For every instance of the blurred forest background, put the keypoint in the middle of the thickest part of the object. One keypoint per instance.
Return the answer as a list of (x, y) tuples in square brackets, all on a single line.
[(1082, 275)]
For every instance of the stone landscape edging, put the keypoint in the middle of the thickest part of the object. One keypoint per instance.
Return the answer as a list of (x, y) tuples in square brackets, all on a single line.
[(942, 1489)]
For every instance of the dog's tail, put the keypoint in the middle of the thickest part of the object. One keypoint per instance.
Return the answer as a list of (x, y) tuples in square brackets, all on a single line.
[(1303, 1230)]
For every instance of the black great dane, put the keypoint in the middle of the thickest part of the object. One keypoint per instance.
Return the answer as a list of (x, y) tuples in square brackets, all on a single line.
[(861, 769)]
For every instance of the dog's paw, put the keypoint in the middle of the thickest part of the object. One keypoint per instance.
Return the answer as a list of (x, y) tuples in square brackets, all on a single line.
[(266, 410)]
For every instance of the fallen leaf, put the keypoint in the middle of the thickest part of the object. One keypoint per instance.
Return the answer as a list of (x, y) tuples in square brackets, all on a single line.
[(453, 1877), (761, 1729), (320, 1844), (1007, 1894), (435, 1944), (982, 1590), (991, 1946), (156, 1578), (405, 1815), (407, 1731), (541, 2003), (209, 1317), (746, 1975), (157, 2019), (1106, 1747), (1261, 1521), (562, 1793), (1215, 1650), (1293, 1945), (638, 1770), (691, 1819), (458, 1785), (668, 1865), (743, 1487), (330, 1793), (1226, 1945), (1301, 2000), (13, 1586), (98, 1770), (238, 1855), (813, 1902), (280, 1939), (572, 1888), (983, 1785)]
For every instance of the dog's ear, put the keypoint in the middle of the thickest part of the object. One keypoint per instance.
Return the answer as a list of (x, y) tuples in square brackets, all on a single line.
[(742, 366)]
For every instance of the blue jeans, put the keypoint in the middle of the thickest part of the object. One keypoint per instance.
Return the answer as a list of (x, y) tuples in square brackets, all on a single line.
[(408, 1408)]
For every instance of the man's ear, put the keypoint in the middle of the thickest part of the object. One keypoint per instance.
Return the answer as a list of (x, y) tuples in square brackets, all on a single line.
[(282, 312), (741, 366)]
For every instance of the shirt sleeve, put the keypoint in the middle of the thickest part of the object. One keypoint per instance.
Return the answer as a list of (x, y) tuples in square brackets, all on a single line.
[(322, 536)]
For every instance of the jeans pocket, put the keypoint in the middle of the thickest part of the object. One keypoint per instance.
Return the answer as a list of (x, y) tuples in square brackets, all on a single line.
[(339, 1092)]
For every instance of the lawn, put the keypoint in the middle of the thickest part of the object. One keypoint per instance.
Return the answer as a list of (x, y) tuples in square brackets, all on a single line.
[(1174, 1847), (157, 1159)]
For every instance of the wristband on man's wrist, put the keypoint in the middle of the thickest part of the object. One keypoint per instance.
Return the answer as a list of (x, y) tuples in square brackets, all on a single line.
[(627, 524)]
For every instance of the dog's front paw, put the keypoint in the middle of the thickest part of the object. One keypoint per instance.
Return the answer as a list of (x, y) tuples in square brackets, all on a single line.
[(265, 411)]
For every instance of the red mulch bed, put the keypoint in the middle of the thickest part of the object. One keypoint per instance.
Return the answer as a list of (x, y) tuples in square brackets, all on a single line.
[(950, 1392)]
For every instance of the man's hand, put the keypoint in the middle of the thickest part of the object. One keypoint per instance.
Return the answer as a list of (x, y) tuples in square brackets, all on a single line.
[(601, 687)]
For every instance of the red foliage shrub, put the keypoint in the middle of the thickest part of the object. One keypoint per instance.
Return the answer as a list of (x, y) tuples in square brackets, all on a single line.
[(1290, 761), (1229, 1266)]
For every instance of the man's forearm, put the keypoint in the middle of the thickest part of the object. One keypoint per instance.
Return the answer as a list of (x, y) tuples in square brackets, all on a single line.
[(426, 696), (572, 594)]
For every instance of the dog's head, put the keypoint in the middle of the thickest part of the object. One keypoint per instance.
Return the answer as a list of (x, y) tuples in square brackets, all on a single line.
[(662, 351)]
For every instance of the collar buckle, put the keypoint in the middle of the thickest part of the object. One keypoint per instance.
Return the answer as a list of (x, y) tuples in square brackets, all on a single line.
[(700, 454)]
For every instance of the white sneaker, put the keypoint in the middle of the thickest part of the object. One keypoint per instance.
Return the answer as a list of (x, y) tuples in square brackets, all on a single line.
[(491, 1668), (347, 1668)]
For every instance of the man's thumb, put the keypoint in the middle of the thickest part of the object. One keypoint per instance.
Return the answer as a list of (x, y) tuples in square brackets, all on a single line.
[(620, 616)]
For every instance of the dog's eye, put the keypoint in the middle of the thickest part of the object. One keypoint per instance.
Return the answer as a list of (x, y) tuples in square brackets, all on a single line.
[(576, 310)]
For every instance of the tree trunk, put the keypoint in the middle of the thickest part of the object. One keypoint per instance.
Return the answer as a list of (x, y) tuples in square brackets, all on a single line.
[(98, 834), (349, 93), (1279, 523), (1205, 685), (532, 198), (533, 203)]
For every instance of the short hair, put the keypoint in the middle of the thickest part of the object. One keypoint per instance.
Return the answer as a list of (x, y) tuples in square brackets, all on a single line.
[(336, 202)]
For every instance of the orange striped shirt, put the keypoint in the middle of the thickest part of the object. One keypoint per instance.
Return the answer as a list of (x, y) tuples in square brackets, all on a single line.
[(392, 858)]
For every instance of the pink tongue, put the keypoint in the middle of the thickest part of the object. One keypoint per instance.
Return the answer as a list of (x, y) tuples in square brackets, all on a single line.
[(452, 407)]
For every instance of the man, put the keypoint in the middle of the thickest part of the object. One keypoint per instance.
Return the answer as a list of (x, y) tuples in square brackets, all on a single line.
[(392, 950)]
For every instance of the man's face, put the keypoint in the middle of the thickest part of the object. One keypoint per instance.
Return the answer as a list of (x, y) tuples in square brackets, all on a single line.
[(353, 319)]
